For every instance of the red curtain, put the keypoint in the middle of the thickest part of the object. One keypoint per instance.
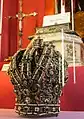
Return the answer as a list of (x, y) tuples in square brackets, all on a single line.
[(42, 7), (9, 41), (9, 29), (30, 23), (49, 7)]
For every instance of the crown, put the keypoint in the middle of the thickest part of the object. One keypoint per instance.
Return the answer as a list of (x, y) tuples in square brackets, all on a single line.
[(35, 75)]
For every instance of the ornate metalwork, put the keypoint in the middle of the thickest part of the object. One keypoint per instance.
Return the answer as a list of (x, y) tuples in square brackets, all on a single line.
[(53, 29), (69, 48), (35, 75)]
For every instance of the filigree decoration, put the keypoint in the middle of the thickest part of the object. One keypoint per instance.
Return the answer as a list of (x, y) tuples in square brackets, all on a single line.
[(52, 29), (69, 48), (35, 76)]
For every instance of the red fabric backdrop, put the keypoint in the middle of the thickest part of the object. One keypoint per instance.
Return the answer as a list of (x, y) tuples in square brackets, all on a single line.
[(9, 29), (30, 23), (9, 41), (73, 94), (49, 7), (71, 100)]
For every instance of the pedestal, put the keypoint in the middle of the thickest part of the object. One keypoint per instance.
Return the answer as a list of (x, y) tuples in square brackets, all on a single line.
[(53, 33)]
